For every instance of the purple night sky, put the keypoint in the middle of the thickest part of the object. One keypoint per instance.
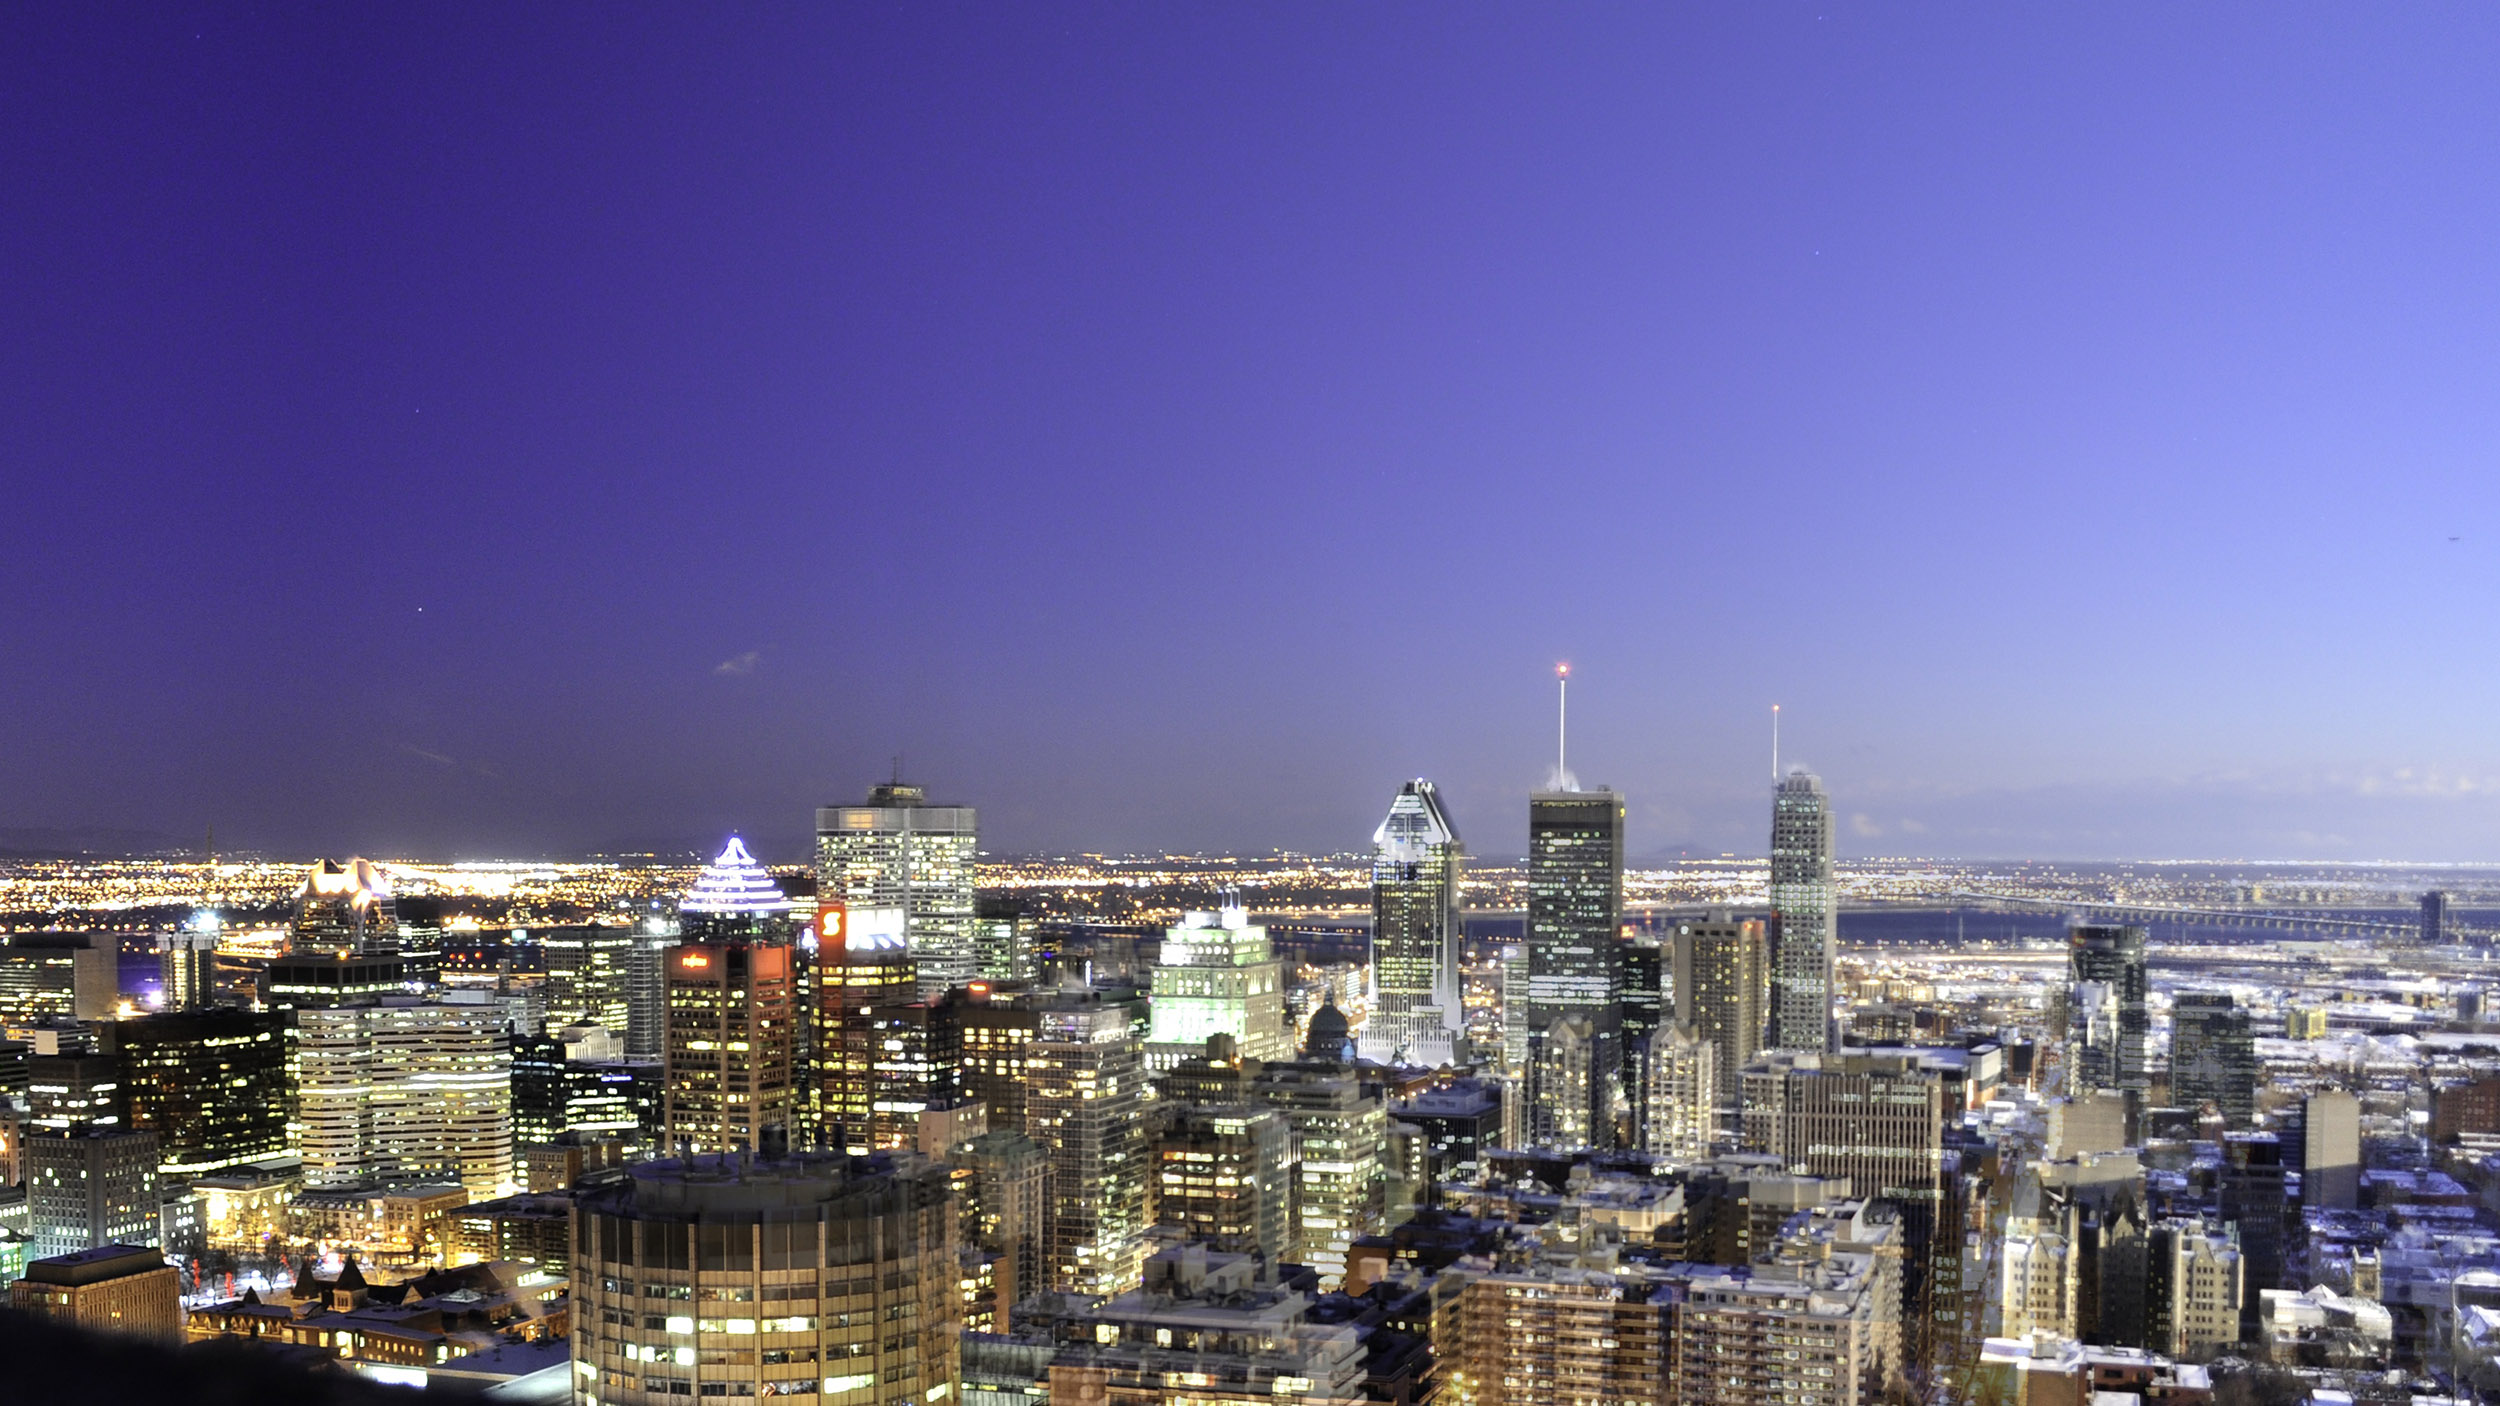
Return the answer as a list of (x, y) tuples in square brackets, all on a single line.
[(467, 429)]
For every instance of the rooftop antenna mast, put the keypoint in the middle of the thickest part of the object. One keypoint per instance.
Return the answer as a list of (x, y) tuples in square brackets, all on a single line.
[(1775, 742), (1562, 727)]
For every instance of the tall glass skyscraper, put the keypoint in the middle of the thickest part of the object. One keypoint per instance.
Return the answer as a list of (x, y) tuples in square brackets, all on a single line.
[(1418, 866), (2110, 1021), (1575, 955), (1804, 923), (899, 851)]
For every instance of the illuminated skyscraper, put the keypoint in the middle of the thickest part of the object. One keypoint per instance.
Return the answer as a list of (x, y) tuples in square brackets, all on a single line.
[(863, 967), (405, 1089), (1575, 951), (735, 898), (1804, 919), (210, 1084), (1085, 1078), (345, 910), (587, 971), (730, 1073), (899, 851), (187, 966), (1418, 869), (1217, 976)]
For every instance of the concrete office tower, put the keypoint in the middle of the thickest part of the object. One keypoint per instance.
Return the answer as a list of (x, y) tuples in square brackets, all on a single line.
[(1418, 1016), (186, 967), (2434, 917), (1223, 1178), (1562, 1068), (345, 910), (899, 851), (1085, 1081), (1804, 915), (48, 976), (2330, 1177), (2111, 958), (863, 966), (1575, 949), (587, 977), (1340, 1138), (210, 1084), (1720, 986), (127, 1290), (807, 1275), (2213, 1056), (406, 1090), (1217, 976), (2196, 1282), (90, 1189), (730, 1073), (1683, 1095)]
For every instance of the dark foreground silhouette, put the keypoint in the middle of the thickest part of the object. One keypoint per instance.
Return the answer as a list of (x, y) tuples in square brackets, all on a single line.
[(46, 1362)]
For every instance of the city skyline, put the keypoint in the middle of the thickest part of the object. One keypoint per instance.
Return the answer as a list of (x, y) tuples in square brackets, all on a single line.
[(415, 448)]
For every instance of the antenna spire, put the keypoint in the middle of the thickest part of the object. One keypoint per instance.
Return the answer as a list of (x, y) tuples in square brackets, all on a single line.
[(1562, 727), (1775, 743)]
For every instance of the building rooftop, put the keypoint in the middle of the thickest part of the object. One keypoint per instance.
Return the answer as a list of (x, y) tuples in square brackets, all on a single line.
[(95, 1266)]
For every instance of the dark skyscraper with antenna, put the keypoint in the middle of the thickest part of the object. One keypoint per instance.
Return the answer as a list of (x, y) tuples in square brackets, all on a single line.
[(1804, 915), (1575, 957)]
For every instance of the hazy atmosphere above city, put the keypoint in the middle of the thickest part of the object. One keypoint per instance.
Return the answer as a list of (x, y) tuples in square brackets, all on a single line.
[(542, 431)]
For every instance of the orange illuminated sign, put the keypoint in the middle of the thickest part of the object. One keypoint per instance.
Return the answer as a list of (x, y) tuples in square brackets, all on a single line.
[(693, 959), (831, 921)]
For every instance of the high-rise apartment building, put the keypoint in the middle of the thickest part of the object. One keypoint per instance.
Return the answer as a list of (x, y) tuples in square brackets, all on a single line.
[(211, 1084), (1804, 915), (404, 1089), (1560, 1336), (2213, 1056), (186, 967), (345, 910), (783, 1274), (1683, 1098), (730, 1070), (2111, 1022), (1085, 1082), (1217, 976), (1418, 1016), (899, 851), (1575, 955), (1720, 987), (589, 972)]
